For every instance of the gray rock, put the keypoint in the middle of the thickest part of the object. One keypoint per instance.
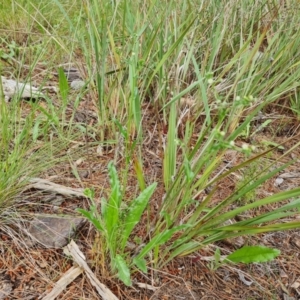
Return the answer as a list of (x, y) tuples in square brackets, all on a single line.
[(53, 231), (13, 88), (72, 74), (77, 84)]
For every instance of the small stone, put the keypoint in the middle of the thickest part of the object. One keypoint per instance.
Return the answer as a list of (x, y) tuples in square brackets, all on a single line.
[(53, 231), (77, 84), (13, 88), (278, 181), (72, 74)]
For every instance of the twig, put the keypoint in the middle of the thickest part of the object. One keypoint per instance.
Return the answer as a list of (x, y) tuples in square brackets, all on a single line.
[(62, 283), (73, 250)]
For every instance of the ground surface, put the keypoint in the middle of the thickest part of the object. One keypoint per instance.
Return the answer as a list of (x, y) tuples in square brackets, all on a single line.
[(30, 271)]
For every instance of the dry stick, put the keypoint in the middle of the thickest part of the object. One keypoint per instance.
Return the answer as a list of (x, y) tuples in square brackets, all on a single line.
[(73, 250), (46, 185), (62, 283)]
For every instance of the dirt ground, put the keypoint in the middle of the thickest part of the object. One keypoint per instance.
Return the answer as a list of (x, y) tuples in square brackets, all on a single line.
[(30, 271)]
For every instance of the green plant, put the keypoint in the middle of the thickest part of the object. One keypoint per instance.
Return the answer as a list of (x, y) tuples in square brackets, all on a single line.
[(206, 221), (23, 156), (152, 54), (246, 174), (12, 50), (295, 102), (115, 223), (230, 82), (246, 254)]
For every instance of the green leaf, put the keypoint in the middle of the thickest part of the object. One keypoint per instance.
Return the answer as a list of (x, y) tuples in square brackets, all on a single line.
[(283, 211), (141, 264), (63, 84), (159, 239), (272, 144), (169, 162), (36, 130), (217, 255), (135, 211), (103, 207), (188, 170), (170, 50), (184, 249), (90, 193), (250, 254), (123, 270), (90, 215), (112, 210), (139, 173)]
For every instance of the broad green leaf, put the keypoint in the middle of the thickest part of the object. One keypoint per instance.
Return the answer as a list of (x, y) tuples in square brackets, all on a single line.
[(123, 270), (135, 211), (141, 264), (251, 254), (112, 210), (103, 207), (36, 130), (139, 173)]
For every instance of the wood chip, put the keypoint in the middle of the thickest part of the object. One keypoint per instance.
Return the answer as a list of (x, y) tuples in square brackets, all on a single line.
[(46, 185), (73, 250), (296, 284), (13, 88), (147, 286), (6, 288), (290, 175), (63, 282)]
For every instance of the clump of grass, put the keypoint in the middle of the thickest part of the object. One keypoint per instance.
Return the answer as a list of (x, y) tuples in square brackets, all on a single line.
[(246, 175), (25, 152)]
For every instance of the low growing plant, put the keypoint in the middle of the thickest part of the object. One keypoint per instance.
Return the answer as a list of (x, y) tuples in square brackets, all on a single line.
[(179, 236), (115, 223), (246, 254), (232, 58)]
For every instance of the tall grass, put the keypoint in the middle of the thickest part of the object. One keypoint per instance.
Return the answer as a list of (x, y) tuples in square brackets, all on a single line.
[(24, 153), (231, 58)]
